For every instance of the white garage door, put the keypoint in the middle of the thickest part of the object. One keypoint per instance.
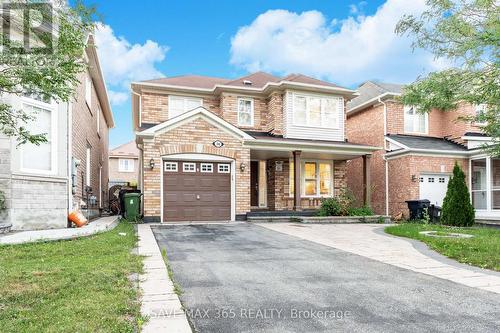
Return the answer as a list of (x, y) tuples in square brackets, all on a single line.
[(433, 188)]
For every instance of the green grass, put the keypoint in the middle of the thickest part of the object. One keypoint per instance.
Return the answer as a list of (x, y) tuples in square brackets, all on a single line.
[(177, 287), (483, 250), (71, 286)]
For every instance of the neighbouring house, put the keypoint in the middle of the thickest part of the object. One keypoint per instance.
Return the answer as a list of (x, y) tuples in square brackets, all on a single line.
[(419, 151), (218, 149), (44, 183), (124, 165)]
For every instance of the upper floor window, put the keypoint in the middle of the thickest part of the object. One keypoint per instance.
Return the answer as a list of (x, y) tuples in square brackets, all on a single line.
[(178, 105), (480, 113), (245, 112), (414, 121), (316, 111), (42, 158), (125, 165), (88, 91)]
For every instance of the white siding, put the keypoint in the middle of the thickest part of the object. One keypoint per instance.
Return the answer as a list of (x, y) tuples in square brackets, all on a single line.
[(290, 130)]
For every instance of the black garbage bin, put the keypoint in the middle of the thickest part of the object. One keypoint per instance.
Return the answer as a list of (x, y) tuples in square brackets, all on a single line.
[(417, 207), (434, 214)]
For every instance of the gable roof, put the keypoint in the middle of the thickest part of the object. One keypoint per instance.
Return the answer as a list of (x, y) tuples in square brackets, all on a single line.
[(415, 142), (370, 91), (128, 149), (307, 80), (200, 111), (195, 81)]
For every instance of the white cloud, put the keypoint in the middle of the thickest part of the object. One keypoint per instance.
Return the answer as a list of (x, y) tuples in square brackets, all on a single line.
[(117, 97), (123, 62), (362, 48)]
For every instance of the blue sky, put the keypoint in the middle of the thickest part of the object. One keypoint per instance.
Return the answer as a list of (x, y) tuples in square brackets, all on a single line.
[(346, 42)]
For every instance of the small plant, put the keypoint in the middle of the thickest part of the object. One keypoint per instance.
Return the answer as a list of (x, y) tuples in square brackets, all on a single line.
[(426, 219), (457, 208), (360, 211), (2, 202), (329, 207)]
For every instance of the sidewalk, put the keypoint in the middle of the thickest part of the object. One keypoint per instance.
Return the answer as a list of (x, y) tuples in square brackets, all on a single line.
[(159, 301), (370, 241), (94, 227)]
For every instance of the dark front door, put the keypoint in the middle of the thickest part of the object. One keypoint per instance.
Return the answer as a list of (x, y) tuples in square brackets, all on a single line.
[(254, 183), (196, 191)]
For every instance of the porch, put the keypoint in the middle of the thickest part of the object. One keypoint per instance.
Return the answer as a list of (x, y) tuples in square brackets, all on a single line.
[(293, 175)]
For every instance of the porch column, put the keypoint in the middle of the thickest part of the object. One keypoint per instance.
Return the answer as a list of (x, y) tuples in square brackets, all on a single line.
[(296, 180), (367, 186)]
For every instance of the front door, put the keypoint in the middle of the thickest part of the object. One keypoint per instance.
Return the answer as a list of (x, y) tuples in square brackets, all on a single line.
[(254, 183)]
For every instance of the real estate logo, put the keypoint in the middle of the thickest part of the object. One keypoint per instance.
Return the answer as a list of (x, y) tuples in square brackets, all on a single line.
[(27, 27)]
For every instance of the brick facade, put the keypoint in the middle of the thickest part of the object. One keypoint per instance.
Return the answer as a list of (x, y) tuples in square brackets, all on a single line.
[(201, 134), (85, 135), (367, 127)]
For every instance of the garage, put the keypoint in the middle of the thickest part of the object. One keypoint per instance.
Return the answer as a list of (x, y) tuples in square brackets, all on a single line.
[(433, 187), (196, 191)]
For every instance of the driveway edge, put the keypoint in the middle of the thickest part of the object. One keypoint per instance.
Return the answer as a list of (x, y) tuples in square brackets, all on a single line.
[(159, 302)]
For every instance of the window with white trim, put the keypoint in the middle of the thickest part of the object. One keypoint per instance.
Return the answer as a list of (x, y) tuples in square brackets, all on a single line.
[(207, 167), (40, 158), (178, 105), (170, 166), (315, 111), (125, 165), (189, 167), (224, 168), (316, 178), (245, 112), (414, 121), (88, 91)]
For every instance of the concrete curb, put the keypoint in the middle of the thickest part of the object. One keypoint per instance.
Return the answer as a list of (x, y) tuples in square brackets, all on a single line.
[(159, 301), (49, 235)]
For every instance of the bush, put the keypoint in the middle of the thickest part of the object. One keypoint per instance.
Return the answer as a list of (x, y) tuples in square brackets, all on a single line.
[(457, 207), (330, 207), (361, 211)]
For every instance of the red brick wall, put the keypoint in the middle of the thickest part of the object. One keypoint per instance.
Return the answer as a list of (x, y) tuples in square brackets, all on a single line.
[(367, 127), (84, 124), (402, 187)]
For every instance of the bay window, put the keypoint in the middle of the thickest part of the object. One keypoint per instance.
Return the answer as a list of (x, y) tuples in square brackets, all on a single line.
[(414, 121), (42, 158), (178, 105), (316, 111), (245, 112), (316, 178)]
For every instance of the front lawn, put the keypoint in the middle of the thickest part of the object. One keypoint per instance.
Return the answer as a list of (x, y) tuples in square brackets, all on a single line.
[(483, 250), (71, 286)]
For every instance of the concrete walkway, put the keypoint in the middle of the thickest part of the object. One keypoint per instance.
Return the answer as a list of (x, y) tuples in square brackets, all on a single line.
[(159, 301), (370, 241), (94, 227)]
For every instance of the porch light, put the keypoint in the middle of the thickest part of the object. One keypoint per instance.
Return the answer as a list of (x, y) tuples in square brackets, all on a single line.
[(243, 167), (152, 164), (414, 178)]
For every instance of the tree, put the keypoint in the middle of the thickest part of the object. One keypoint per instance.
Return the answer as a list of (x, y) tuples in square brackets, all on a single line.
[(466, 33), (457, 208), (49, 72)]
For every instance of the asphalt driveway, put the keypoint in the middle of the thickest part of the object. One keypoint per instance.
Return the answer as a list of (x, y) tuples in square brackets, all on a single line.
[(246, 278)]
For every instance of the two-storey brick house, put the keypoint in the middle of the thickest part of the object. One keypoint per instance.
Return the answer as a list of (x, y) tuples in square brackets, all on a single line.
[(216, 149), (43, 183), (419, 151)]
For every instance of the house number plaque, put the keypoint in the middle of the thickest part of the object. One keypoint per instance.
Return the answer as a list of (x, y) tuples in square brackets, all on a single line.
[(218, 143)]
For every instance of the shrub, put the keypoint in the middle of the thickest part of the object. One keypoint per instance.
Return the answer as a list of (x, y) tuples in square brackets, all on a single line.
[(330, 207), (457, 207), (360, 211)]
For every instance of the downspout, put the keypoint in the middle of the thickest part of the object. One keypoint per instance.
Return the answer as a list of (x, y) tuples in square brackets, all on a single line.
[(386, 163)]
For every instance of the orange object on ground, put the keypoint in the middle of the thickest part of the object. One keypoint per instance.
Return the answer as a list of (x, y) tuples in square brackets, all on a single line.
[(77, 218)]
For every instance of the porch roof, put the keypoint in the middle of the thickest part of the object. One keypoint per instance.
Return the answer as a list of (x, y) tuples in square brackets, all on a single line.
[(267, 145)]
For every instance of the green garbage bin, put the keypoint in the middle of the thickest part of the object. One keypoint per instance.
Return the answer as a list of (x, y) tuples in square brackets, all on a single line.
[(132, 206)]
